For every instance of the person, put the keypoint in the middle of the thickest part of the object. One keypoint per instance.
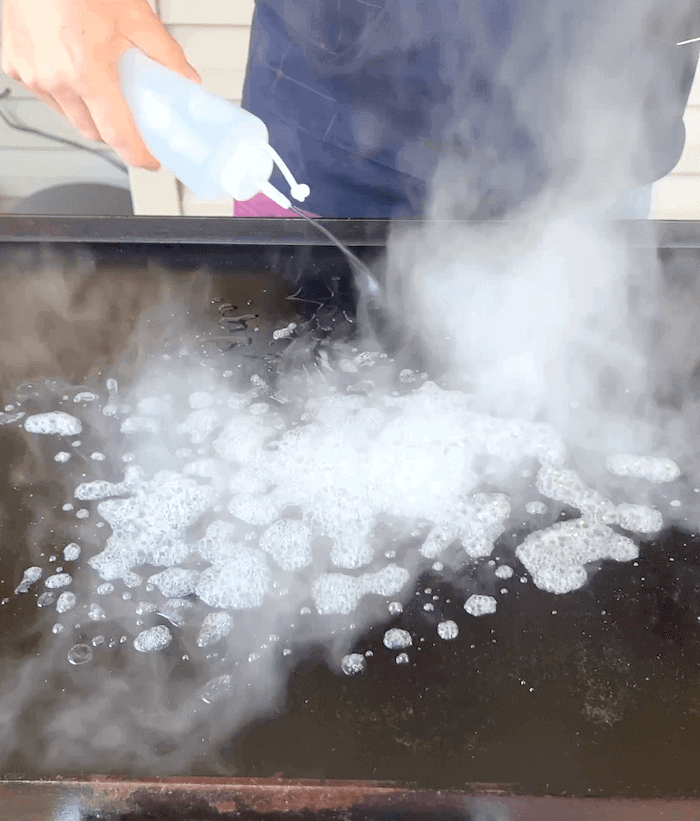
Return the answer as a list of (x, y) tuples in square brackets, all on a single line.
[(373, 101)]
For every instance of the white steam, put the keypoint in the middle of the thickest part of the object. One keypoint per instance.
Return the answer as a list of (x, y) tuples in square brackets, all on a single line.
[(239, 517)]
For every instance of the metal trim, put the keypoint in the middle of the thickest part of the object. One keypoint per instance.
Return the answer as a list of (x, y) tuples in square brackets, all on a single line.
[(188, 230), (275, 232)]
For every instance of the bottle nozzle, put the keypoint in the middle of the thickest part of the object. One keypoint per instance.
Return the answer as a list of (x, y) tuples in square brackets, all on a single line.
[(299, 191)]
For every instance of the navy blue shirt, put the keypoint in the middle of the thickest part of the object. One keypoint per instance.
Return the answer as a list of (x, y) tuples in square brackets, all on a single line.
[(365, 98)]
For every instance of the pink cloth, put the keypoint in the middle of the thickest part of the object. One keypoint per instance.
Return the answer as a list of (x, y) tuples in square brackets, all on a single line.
[(262, 206)]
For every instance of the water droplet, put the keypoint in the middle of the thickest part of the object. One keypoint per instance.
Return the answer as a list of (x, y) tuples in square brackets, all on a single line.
[(80, 654), (448, 630), (353, 664), (396, 639)]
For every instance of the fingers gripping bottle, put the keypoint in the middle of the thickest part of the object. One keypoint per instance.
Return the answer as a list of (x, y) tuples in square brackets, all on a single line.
[(212, 146)]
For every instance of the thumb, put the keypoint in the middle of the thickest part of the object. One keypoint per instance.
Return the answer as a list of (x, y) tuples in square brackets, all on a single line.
[(149, 34)]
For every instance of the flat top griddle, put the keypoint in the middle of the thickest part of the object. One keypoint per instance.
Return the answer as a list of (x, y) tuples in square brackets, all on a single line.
[(599, 698)]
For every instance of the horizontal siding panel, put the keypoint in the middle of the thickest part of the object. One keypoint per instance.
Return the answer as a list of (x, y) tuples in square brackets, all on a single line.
[(33, 170), (691, 118), (154, 193), (208, 12), (676, 197), (35, 114), (689, 163), (220, 55), (694, 98), (192, 206)]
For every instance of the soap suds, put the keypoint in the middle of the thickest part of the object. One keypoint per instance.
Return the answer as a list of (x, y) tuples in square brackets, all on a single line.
[(557, 557), (480, 605), (55, 423), (654, 469), (153, 639)]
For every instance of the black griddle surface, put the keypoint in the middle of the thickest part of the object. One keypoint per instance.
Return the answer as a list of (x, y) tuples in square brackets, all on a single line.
[(601, 697)]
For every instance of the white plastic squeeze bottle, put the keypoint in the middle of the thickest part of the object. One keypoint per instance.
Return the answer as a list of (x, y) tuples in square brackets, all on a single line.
[(212, 146)]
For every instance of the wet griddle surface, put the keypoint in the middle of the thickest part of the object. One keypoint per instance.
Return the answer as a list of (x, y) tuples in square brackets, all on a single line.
[(600, 697)]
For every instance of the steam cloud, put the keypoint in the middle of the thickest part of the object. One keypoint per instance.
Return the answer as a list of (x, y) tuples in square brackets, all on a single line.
[(239, 516)]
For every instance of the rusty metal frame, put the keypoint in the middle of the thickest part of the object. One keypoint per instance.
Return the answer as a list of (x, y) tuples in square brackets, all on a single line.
[(261, 798)]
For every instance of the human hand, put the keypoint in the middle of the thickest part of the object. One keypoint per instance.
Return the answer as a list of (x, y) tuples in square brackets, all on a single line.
[(66, 52)]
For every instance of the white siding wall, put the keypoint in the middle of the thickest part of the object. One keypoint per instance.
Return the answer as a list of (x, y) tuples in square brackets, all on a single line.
[(677, 196), (214, 34)]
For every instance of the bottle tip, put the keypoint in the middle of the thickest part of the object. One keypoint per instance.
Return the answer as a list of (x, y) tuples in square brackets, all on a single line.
[(300, 192)]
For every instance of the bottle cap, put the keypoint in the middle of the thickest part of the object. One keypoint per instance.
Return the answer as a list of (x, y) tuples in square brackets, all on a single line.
[(248, 172)]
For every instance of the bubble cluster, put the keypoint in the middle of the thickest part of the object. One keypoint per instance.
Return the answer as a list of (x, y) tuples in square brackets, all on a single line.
[(396, 639), (567, 486), (639, 518), (30, 576), (153, 639), (267, 501), (336, 593), (654, 469), (66, 601), (55, 423), (58, 580), (557, 557), (503, 572), (216, 689), (288, 542), (353, 664), (477, 605), (448, 630), (71, 552), (216, 626)]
